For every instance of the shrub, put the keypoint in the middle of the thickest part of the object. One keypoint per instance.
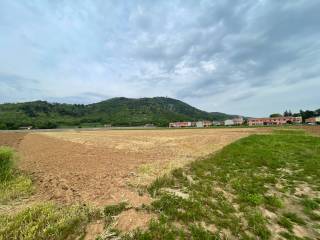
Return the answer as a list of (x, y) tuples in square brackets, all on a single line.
[(6, 163)]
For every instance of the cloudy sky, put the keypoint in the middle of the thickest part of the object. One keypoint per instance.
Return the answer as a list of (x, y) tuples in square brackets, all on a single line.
[(250, 57)]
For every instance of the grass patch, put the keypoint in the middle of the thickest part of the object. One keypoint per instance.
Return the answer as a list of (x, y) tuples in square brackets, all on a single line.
[(257, 224), (273, 202), (111, 211), (286, 223), (310, 204), (13, 185), (229, 189), (114, 210), (6, 163), (18, 187), (45, 222), (294, 218)]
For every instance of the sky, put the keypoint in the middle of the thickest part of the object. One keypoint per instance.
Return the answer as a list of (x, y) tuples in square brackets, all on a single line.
[(247, 57)]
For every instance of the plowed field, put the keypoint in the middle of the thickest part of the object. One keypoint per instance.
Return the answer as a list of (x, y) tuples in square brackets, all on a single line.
[(104, 167)]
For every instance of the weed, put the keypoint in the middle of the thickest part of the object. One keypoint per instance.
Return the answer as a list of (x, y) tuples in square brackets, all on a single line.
[(6, 163), (294, 218), (159, 183), (257, 224), (158, 229), (310, 204), (273, 202), (290, 236), (20, 186), (114, 210), (286, 223), (199, 233), (254, 198), (12, 184), (45, 222)]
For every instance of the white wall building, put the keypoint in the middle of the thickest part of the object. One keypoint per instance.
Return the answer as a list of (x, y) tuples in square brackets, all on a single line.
[(199, 124), (228, 122)]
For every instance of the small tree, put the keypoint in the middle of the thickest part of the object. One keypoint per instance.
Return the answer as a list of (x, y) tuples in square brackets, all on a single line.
[(287, 113), (275, 115)]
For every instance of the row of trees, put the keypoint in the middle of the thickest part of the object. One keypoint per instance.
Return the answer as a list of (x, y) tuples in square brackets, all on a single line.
[(304, 114)]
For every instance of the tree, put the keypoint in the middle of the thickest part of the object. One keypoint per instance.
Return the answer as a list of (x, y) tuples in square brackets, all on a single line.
[(275, 115), (287, 113), (307, 114), (3, 126)]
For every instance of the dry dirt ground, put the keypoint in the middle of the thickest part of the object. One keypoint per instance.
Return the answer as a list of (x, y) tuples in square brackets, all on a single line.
[(104, 167)]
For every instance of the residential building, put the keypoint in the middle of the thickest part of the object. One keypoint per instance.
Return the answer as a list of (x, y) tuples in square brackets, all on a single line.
[(199, 124), (238, 121), (313, 120), (274, 121), (216, 123), (180, 124), (207, 123), (228, 122)]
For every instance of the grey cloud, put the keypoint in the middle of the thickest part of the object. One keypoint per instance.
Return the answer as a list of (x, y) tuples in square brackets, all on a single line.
[(82, 98), (17, 82), (99, 49)]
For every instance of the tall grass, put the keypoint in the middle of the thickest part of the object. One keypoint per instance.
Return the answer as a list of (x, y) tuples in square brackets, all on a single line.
[(6, 163), (46, 222), (12, 184)]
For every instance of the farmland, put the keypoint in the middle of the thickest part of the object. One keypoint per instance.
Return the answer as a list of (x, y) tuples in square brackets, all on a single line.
[(237, 183), (102, 167)]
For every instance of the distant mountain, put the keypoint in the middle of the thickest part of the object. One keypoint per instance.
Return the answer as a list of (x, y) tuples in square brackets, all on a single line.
[(223, 116), (116, 111)]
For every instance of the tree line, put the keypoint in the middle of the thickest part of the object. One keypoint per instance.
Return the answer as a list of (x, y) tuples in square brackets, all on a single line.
[(304, 114)]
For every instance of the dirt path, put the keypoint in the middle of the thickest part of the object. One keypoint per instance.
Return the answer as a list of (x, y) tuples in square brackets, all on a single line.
[(98, 167)]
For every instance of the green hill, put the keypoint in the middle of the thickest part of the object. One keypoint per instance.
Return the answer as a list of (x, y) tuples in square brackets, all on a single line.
[(116, 111)]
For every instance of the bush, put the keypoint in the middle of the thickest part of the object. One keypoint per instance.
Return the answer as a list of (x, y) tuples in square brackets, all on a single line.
[(6, 163)]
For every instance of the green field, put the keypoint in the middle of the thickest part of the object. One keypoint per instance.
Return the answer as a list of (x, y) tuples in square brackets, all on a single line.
[(264, 186), (260, 187)]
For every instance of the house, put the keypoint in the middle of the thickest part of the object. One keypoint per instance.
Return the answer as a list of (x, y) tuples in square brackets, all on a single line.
[(238, 121), (199, 124), (228, 122), (180, 124), (313, 120), (216, 123), (274, 121), (207, 123)]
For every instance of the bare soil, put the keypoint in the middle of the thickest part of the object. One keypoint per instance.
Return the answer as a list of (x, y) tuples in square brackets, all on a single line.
[(104, 167), (132, 219), (11, 139)]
